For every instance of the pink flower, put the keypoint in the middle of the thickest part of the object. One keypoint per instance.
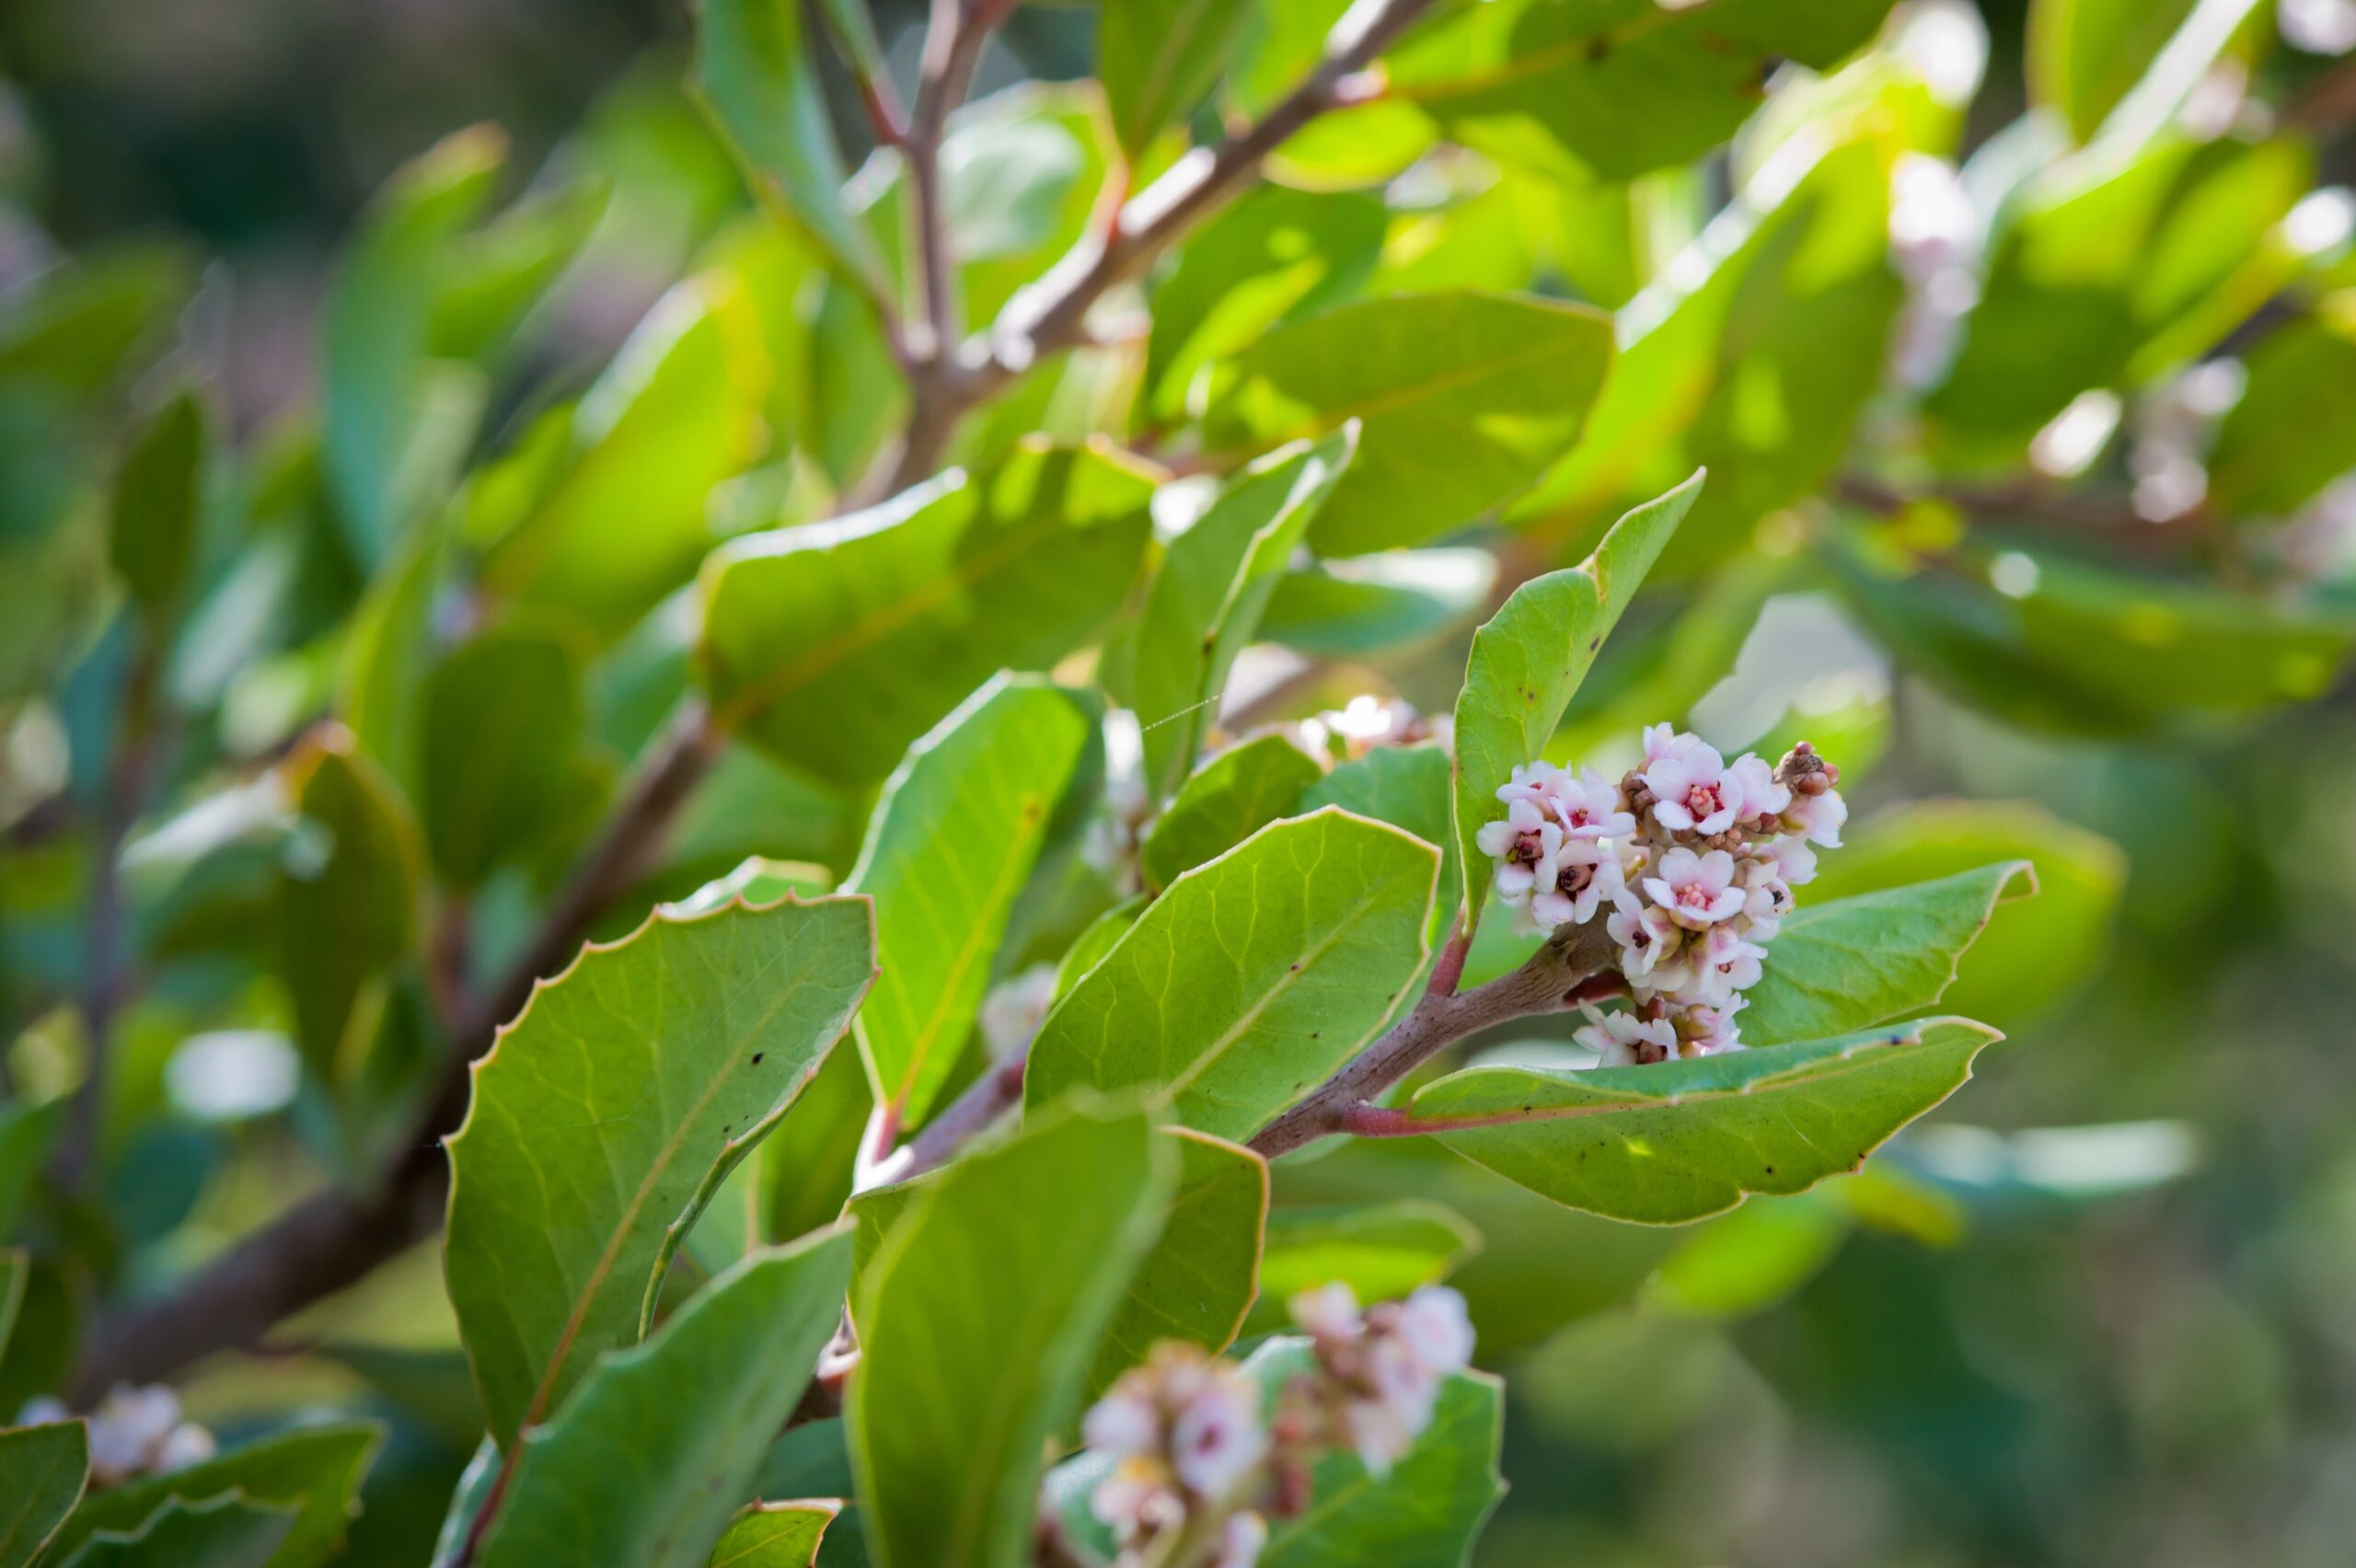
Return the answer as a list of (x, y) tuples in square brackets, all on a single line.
[(1651, 943), (1708, 1031), (1588, 806), (1624, 1040), (1698, 890), (1127, 1420), (1523, 845), (1586, 873), (1664, 741), (1818, 818), (1729, 964), (1329, 1313), (1692, 793), (1241, 1540), (1433, 1324), (1538, 784), (1216, 1440), (1754, 780)]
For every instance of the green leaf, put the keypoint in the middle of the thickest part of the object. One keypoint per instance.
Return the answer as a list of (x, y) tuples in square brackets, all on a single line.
[(690, 1411), (221, 1532), (16, 1268), (2292, 431), (1462, 399), (42, 1471), (313, 1469), (1199, 1281), (1529, 661), (384, 459), (494, 277), (1206, 601), (836, 644), (805, 1166), (1158, 60), (1614, 90), (1408, 788), (1746, 1261), (346, 903), (1363, 604), (27, 1129), (2083, 56), (954, 839), (1679, 1141), (776, 1534), (1253, 978), (158, 502), (571, 1188), (1381, 1250), (626, 518), (1275, 255), (79, 325), (1839, 967), (755, 79), (977, 1320), (1230, 798), (2040, 950), (500, 729)]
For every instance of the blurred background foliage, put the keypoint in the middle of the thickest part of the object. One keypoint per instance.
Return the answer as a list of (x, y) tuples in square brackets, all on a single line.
[(2029, 491)]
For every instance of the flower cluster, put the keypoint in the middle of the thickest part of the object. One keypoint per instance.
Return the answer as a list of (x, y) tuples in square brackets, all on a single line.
[(1197, 1473), (1690, 861), (134, 1433)]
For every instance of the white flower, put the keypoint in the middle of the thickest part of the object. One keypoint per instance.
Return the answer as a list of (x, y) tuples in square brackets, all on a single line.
[(188, 1444), (1524, 845), (1650, 942), (1694, 794), (43, 1410), (1329, 1313), (1136, 1499), (1729, 964), (1624, 1040), (1217, 1440), (1710, 1031), (1698, 890), (1755, 782), (1127, 1420), (1588, 806), (1378, 1432), (129, 1432), (1432, 1324), (1241, 1540), (1538, 784), (1818, 818), (1663, 742), (1586, 873)]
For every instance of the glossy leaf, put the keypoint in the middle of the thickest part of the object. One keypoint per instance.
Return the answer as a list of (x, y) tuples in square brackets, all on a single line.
[(381, 451), (776, 1534), (756, 76), (571, 1188), (1252, 978), (2041, 949), (1206, 601), (1614, 89), (646, 1459), (976, 1323), (1275, 255), (955, 837), (221, 1532), (1226, 801), (1377, 603), (624, 516), (498, 735), (2291, 432), (1845, 965), (1200, 1279), (1462, 400), (1529, 660), (1679, 1141), (42, 1471), (348, 886), (313, 1469), (1158, 60), (836, 644), (1408, 788), (1381, 1250), (158, 498)]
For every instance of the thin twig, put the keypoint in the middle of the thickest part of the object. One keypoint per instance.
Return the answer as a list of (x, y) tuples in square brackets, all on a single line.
[(1557, 976)]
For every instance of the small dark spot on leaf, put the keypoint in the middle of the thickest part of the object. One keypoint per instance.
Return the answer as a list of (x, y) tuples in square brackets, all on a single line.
[(1600, 49), (756, 1057), (1771, 1170), (1296, 966), (1593, 643)]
